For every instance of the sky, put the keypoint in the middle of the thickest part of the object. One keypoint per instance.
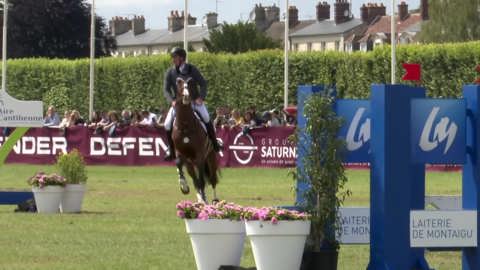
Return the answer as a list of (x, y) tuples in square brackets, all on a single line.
[(157, 11)]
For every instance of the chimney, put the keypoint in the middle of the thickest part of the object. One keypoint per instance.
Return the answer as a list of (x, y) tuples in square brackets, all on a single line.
[(272, 14), (342, 11), (119, 25), (424, 9), (403, 11), (211, 20), (371, 11), (175, 21), (192, 20), (364, 14), (138, 25), (323, 11), (292, 16), (260, 18)]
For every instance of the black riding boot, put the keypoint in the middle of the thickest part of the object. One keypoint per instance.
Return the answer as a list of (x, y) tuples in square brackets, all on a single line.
[(171, 147), (212, 136)]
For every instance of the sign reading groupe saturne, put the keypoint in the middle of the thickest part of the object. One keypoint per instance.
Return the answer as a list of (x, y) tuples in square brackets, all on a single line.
[(443, 228)]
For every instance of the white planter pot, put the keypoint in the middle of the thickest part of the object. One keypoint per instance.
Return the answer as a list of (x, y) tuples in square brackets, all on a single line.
[(278, 246), (216, 242), (48, 198), (73, 198)]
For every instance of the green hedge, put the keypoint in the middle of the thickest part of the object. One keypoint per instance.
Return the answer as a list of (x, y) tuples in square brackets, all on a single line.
[(240, 80)]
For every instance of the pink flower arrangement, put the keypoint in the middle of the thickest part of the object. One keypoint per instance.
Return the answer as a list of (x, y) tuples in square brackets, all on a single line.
[(41, 179), (272, 214), (220, 210), (231, 211)]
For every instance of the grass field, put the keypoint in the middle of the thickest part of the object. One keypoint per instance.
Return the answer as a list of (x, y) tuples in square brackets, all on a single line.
[(130, 223)]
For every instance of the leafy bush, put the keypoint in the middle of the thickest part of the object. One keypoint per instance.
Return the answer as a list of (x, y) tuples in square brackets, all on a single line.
[(72, 167), (241, 80)]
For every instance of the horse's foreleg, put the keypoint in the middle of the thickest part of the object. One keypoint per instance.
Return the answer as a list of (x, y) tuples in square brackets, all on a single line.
[(201, 180), (196, 182), (181, 177)]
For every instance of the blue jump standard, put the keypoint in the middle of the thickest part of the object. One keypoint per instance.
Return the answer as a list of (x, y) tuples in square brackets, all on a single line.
[(14, 197), (400, 120)]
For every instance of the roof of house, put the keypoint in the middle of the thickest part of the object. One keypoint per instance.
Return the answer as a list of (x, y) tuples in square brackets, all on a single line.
[(383, 25), (327, 27), (195, 33), (276, 31)]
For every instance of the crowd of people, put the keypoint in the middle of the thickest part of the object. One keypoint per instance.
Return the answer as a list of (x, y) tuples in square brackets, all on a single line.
[(223, 118)]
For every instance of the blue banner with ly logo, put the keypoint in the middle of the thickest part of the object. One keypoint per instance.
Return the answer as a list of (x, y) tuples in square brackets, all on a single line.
[(438, 131), (356, 128)]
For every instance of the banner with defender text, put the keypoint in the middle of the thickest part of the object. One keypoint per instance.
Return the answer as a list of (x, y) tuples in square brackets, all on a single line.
[(133, 146)]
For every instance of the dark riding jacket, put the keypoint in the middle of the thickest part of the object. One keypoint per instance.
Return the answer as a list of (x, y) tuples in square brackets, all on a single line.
[(170, 82)]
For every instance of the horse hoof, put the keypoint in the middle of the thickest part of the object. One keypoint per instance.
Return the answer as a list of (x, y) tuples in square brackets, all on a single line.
[(215, 201), (185, 190)]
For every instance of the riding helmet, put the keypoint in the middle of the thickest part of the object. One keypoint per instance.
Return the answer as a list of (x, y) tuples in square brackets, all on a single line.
[(178, 51)]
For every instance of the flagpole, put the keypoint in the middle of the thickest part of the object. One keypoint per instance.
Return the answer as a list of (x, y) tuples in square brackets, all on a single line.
[(4, 46), (185, 26), (92, 61), (393, 42), (286, 48)]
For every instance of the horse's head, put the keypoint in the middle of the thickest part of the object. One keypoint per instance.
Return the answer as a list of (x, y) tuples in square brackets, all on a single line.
[(183, 86)]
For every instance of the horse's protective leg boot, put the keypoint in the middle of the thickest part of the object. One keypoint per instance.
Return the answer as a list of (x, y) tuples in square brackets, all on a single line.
[(212, 136), (171, 147)]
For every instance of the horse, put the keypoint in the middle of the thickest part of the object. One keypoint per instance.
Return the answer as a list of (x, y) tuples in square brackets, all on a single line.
[(193, 147)]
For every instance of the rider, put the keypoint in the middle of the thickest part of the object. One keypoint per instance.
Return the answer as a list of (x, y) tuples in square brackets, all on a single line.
[(183, 69)]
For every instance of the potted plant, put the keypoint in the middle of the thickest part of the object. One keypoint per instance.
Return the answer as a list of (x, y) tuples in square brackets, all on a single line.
[(324, 173), (72, 167), (47, 191), (216, 232), (277, 237)]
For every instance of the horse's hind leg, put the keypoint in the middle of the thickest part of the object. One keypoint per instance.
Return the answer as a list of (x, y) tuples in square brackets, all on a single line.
[(181, 177)]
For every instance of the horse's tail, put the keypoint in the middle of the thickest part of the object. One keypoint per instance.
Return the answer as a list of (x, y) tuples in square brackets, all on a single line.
[(212, 171)]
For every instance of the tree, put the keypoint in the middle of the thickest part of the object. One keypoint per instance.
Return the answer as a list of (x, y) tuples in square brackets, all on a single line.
[(452, 21), (237, 38), (54, 29)]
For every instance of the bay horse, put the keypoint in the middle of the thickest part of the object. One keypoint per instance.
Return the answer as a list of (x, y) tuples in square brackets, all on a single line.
[(193, 148)]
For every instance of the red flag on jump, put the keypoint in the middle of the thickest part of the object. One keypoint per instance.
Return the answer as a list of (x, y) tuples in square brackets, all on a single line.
[(413, 72)]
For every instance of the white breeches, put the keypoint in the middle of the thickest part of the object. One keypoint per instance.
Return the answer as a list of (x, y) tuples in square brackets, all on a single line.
[(201, 111)]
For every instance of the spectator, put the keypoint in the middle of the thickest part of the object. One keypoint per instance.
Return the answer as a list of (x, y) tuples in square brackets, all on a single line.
[(76, 119), (255, 116), (114, 122), (136, 118), (291, 116), (236, 120), (291, 121), (149, 119), (248, 120), (220, 119), (126, 118), (96, 118), (161, 117), (66, 120), (52, 118), (274, 119)]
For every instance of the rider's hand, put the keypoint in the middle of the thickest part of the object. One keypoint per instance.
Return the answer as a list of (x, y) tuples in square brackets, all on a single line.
[(173, 103), (199, 101)]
